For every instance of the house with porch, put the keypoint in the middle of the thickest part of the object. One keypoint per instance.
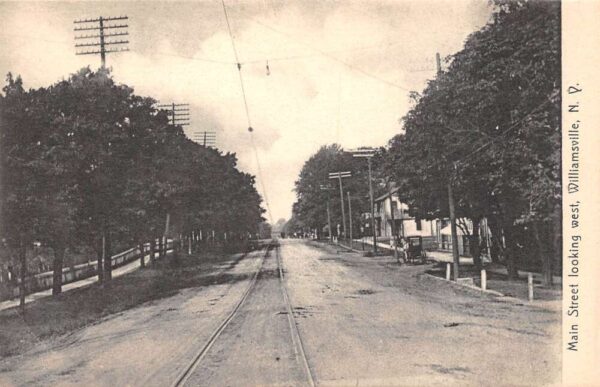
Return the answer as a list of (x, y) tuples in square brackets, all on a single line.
[(393, 214)]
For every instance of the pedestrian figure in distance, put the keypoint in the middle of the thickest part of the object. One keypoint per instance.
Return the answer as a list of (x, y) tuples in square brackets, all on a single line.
[(402, 250)]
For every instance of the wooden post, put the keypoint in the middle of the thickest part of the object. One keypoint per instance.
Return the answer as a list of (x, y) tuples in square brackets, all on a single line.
[(142, 255), (153, 249), (329, 221), (483, 279), (530, 286), (448, 270), (350, 217), (342, 204), (22, 274), (371, 197)]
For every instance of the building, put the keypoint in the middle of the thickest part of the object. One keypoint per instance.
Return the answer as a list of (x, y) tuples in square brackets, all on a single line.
[(436, 233), (391, 214)]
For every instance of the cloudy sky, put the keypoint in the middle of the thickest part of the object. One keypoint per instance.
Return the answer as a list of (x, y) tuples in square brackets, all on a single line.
[(340, 71)]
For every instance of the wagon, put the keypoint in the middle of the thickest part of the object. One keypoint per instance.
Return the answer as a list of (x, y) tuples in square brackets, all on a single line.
[(415, 251)]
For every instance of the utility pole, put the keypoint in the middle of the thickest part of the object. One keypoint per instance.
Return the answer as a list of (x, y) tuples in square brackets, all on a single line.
[(98, 38), (339, 176), (392, 217), (179, 113), (206, 138), (368, 153), (325, 188), (329, 222), (451, 204), (455, 257), (350, 216)]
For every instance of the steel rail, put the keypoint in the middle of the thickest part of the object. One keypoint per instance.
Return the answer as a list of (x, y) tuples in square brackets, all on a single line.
[(189, 370), (296, 339)]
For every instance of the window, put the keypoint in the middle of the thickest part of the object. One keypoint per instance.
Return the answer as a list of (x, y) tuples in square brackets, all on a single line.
[(418, 223)]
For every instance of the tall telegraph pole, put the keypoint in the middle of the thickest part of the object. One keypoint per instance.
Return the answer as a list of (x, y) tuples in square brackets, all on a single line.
[(325, 188), (179, 113), (350, 216), (206, 138), (368, 153), (451, 204), (340, 176), (97, 40)]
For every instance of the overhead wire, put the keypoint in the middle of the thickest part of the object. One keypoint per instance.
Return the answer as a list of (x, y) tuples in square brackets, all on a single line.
[(209, 60), (333, 58), (250, 129), (295, 57)]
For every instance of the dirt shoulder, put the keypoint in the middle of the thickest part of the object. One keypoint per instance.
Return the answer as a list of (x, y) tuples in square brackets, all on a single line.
[(56, 316)]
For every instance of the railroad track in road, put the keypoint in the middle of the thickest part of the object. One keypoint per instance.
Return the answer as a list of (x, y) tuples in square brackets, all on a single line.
[(187, 373), (296, 339), (189, 370)]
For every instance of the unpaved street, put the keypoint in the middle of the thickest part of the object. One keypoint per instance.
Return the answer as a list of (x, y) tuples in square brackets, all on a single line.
[(355, 321), (365, 321)]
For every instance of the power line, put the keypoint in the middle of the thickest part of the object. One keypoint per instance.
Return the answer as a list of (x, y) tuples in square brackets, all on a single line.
[(262, 180), (247, 62), (294, 57), (239, 66), (208, 60), (250, 130), (324, 53)]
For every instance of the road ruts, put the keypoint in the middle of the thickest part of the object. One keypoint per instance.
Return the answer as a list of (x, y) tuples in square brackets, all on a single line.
[(258, 343)]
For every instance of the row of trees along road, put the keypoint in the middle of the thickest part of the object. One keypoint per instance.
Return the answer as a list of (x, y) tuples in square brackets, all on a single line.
[(86, 161), (490, 126), (314, 189)]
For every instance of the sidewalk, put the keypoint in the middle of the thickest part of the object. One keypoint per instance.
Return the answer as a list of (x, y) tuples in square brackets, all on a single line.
[(497, 278), (122, 270), (446, 257)]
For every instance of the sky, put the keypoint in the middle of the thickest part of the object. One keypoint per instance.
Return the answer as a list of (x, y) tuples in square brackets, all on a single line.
[(339, 71)]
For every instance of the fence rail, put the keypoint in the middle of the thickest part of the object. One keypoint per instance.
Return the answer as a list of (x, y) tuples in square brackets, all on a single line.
[(43, 281)]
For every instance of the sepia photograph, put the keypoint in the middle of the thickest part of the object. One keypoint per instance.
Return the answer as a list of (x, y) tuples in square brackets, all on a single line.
[(291, 193)]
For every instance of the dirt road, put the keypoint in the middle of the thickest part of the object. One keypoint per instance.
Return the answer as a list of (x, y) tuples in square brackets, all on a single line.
[(354, 321)]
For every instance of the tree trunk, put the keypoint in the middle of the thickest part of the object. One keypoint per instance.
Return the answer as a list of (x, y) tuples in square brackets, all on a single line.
[(474, 244), (510, 253), (142, 255), (100, 261), (557, 239), (152, 250), (543, 254), (176, 249), (107, 257), (23, 274), (57, 269), (161, 248), (496, 239)]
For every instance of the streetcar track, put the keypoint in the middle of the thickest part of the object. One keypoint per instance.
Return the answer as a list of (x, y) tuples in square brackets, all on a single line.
[(189, 370), (297, 344), (296, 338)]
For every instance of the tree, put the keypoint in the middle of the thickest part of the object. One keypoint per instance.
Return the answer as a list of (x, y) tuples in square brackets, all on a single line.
[(19, 141), (490, 126), (314, 188)]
